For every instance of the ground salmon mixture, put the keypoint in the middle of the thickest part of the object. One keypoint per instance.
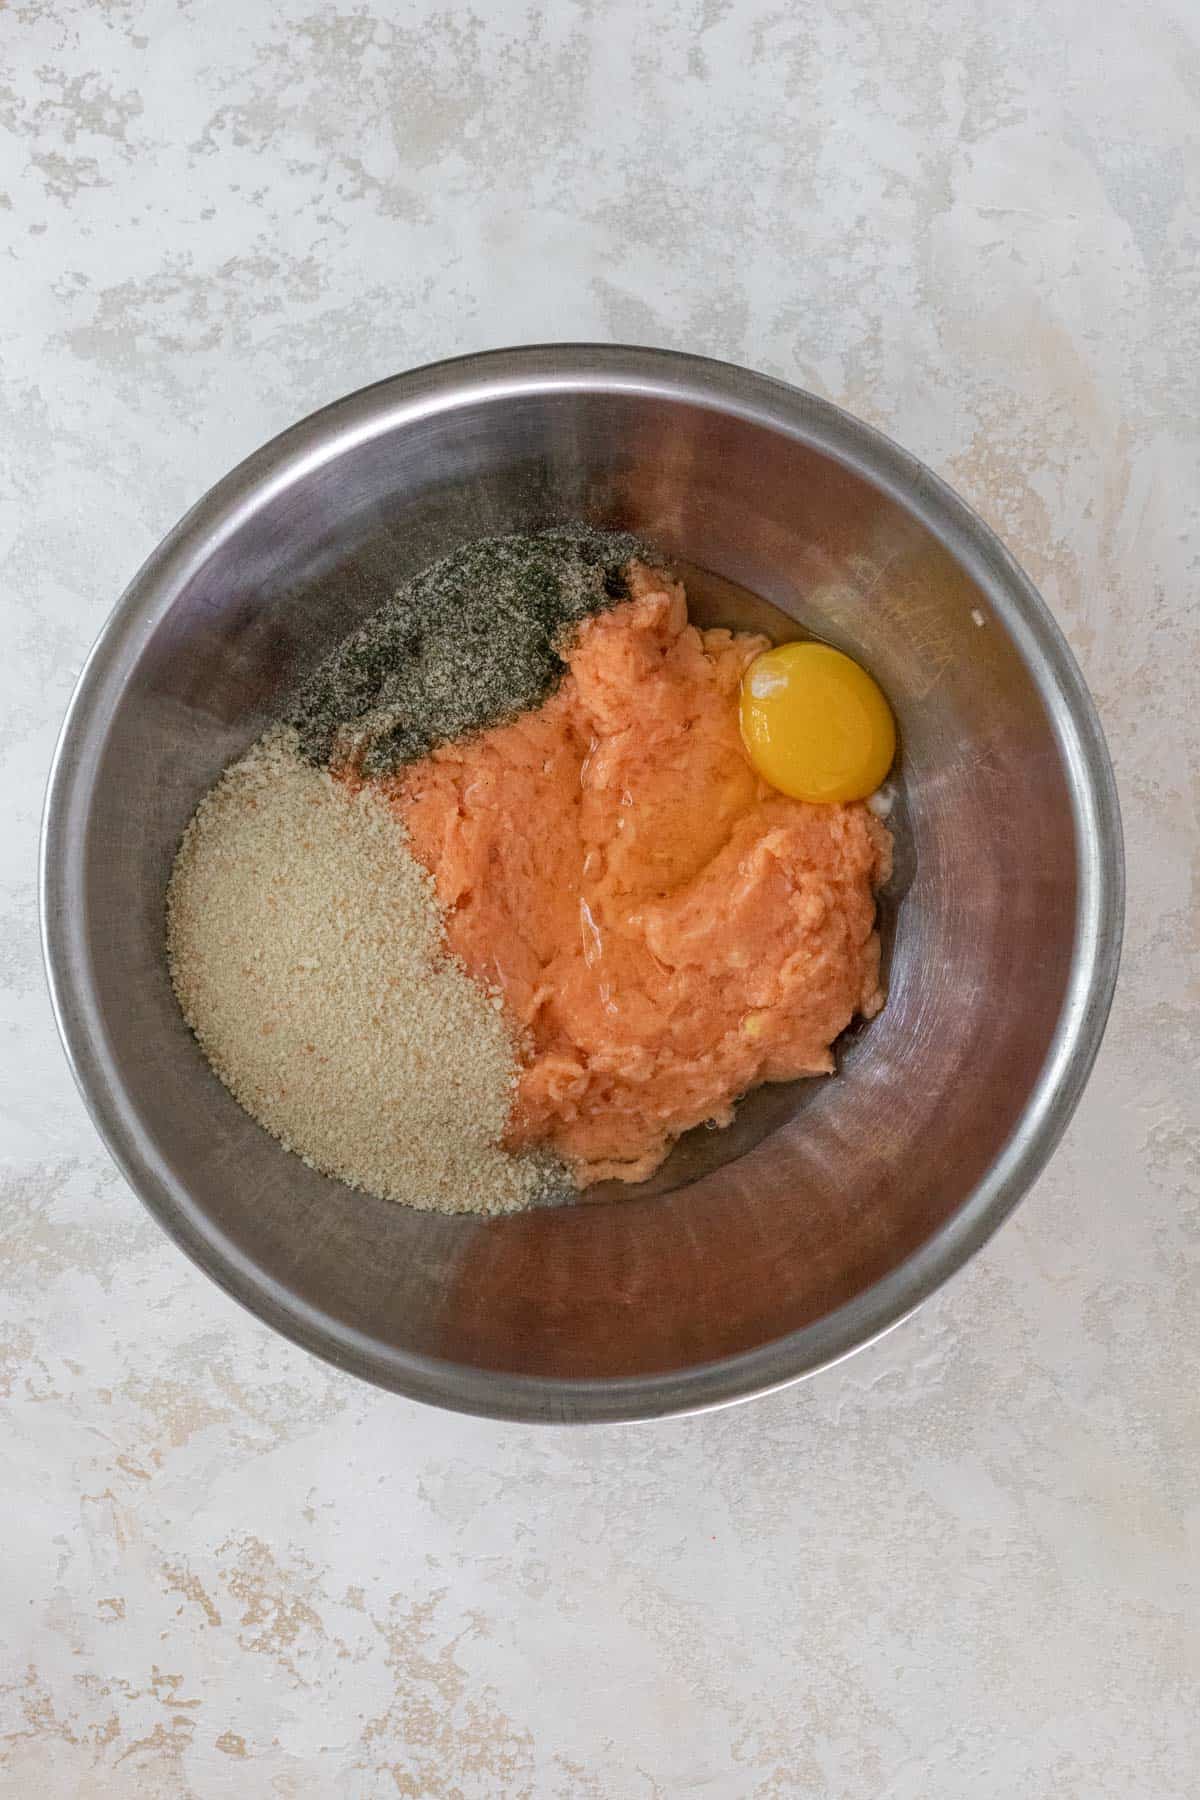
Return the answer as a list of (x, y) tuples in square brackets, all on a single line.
[(665, 930), (500, 907)]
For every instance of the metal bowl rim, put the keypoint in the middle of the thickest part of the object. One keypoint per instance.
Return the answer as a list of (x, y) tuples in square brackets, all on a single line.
[(689, 380)]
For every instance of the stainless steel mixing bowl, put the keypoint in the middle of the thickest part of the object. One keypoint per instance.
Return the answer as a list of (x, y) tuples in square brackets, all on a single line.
[(832, 1207)]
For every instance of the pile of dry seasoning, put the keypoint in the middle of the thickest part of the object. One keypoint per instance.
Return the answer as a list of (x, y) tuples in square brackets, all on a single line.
[(468, 643), (304, 939)]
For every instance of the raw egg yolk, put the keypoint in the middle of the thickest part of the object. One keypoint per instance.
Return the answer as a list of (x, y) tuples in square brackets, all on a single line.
[(815, 725)]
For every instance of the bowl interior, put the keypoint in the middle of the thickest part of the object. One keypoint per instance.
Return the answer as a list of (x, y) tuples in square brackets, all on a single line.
[(821, 1188)]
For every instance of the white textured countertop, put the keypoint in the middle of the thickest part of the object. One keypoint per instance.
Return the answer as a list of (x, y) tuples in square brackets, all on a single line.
[(964, 1564)]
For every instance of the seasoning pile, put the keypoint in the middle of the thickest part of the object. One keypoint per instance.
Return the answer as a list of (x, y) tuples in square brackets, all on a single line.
[(506, 902), (471, 641)]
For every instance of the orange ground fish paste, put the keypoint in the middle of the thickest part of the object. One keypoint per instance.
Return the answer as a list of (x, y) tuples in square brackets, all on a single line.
[(665, 929)]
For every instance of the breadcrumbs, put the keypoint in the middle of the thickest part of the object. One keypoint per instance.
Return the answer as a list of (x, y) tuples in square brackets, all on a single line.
[(307, 952)]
